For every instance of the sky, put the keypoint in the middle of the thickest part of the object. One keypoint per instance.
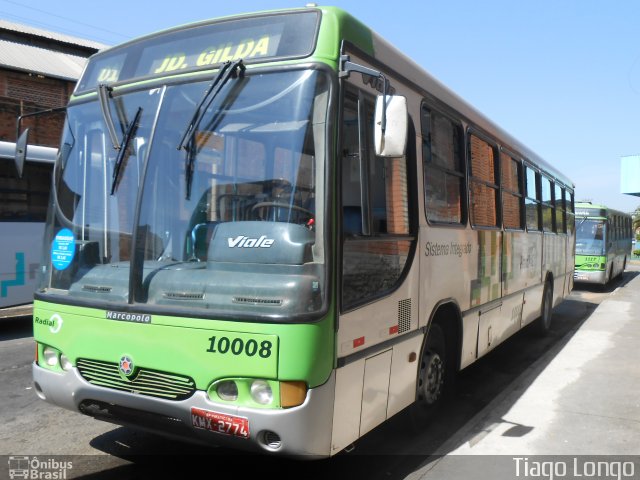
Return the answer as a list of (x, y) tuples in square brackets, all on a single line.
[(563, 77)]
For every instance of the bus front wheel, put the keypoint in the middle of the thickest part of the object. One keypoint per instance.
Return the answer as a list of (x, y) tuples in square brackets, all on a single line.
[(434, 380)]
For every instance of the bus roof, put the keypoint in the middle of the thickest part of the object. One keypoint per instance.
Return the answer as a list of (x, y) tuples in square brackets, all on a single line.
[(419, 77), (337, 25)]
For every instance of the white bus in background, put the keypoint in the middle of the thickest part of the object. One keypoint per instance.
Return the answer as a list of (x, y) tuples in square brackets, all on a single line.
[(23, 211)]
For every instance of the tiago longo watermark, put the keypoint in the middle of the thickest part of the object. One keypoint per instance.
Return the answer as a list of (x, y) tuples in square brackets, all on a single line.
[(573, 468)]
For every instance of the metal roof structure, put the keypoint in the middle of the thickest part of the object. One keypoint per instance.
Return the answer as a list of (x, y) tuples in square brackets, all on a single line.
[(630, 175), (43, 52)]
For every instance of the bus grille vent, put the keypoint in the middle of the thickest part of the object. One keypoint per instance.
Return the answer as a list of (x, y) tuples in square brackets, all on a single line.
[(258, 301), (404, 315), (184, 295), (96, 288), (153, 383)]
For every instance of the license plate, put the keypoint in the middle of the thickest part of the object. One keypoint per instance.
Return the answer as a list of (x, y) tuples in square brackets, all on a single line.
[(220, 422)]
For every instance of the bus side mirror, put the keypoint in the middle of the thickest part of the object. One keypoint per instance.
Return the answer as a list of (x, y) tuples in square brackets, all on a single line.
[(21, 152), (390, 130)]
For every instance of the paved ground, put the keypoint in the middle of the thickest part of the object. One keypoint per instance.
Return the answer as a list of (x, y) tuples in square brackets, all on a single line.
[(570, 396), (580, 401)]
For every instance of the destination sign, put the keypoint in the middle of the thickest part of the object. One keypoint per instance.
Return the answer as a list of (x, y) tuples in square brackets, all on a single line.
[(590, 212), (205, 45), (265, 46)]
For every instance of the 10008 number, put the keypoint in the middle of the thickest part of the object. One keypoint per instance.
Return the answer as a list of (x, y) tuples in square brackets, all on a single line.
[(237, 346)]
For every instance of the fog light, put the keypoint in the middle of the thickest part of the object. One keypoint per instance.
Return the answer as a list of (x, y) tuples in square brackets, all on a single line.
[(261, 392), (50, 356), (270, 440), (65, 363), (227, 390)]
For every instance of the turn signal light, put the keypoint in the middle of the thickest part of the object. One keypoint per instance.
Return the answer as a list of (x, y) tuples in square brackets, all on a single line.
[(292, 394)]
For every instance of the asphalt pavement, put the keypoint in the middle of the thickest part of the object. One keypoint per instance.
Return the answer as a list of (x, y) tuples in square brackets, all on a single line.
[(577, 407), (572, 413)]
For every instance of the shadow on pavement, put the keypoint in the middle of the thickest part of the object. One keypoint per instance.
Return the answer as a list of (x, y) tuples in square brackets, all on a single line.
[(16, 327)]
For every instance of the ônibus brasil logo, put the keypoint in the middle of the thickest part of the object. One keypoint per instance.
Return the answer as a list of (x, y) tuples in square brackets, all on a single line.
[(21, 466), (245, 242)]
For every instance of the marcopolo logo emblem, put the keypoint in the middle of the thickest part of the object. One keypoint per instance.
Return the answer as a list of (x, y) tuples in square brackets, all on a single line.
[(126, 365), (128, 316)]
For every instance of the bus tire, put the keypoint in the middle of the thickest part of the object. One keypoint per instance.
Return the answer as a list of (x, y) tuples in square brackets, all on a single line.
[(624, 267), (543, 324), (435, 377)]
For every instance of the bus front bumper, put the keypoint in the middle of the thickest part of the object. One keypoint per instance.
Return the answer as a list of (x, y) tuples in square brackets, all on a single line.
[(590, 276), (303, 430)]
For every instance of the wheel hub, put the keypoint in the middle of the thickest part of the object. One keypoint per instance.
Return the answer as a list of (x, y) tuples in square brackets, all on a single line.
[(433, 378)]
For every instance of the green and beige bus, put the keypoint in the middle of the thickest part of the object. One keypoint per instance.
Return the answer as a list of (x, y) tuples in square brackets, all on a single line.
[(603, 243), (274, 231)]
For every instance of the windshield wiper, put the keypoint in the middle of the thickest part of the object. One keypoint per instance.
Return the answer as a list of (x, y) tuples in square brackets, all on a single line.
[(103, 94), (122, 148), (187, 142), (188, 170), (226, 71), (104, 91)]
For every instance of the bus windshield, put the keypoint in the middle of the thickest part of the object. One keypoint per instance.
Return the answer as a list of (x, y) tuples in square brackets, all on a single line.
[(590, 237), (205, 225)]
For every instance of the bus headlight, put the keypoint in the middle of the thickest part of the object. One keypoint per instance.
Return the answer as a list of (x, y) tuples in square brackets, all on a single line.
[(261, 392), (50, 356), (227, 390), (65, 363)]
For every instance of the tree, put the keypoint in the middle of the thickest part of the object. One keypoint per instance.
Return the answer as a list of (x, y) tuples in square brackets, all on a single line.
[(636, 220)]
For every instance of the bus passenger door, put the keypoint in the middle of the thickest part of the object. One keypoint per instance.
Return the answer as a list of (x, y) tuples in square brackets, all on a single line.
[(377, 285), (377, 281)]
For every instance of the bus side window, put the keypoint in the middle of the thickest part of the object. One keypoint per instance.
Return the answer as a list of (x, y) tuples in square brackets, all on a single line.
[(26, 198), (512, 204), (560, 209), (532, 201), (375, 210), (443, 163), (483, 189), (547, 204), (351, 165), (571, 217)]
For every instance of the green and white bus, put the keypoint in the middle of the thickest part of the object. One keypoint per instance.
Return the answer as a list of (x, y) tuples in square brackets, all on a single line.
[(603, 243), (274, 231)]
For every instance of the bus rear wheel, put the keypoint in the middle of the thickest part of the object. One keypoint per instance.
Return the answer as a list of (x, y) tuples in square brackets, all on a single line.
[(543, 324)]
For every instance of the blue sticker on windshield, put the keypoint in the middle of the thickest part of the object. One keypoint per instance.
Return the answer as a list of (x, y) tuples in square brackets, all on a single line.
[(63, 249)]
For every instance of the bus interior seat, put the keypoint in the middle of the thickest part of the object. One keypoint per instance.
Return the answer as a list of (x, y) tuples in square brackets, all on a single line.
[(234, 207)]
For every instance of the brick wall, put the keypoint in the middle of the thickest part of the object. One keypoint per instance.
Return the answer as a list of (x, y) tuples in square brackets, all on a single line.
[(22, 93)]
